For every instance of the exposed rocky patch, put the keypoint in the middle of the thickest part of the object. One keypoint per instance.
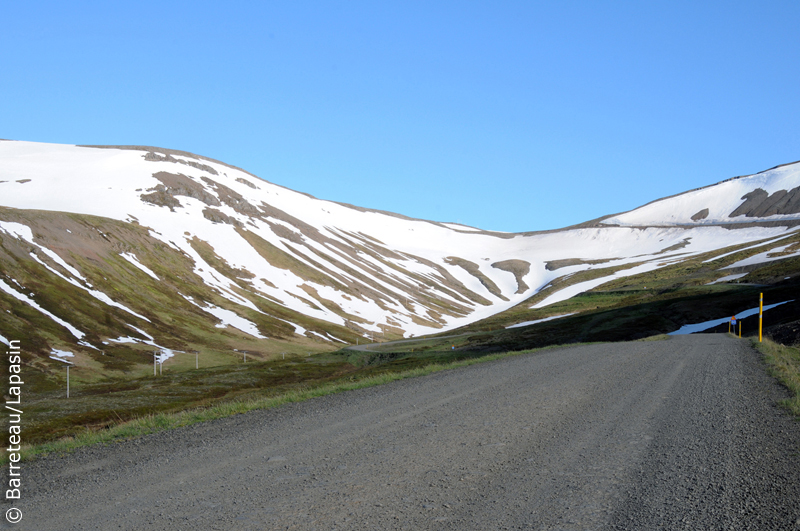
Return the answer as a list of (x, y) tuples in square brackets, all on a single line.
[(247, 183), (217, 216), (759, 203), (675, 247), (151, 156), (519, 268), (232, 198), (553, 265), (703, 214), (174, 184), (285, 232), (160, 196)]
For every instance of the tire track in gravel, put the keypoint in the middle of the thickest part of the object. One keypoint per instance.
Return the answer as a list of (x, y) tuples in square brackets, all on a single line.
[(676, 434)]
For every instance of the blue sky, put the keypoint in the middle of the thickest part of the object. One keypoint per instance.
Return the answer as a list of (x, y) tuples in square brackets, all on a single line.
[(509, 116)]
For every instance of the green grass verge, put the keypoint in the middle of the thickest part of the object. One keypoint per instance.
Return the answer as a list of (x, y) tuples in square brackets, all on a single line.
[(657, 337), (784, 364), (164, 421)]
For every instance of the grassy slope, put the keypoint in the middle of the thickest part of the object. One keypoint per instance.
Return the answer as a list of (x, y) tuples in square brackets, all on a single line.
[(784, 364)]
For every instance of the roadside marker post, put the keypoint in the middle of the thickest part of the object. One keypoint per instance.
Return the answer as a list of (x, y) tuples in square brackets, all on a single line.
[(67, 381), (760, 315)]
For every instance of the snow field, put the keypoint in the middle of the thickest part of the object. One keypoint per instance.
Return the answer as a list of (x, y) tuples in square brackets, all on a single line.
[(721, 200), (551, 318)]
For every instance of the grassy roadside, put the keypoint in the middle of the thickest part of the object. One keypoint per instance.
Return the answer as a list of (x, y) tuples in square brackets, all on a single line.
[(784, 364), (164, 421)]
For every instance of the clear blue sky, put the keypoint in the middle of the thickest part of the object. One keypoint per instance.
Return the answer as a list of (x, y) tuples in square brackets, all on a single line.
[(508, 116)]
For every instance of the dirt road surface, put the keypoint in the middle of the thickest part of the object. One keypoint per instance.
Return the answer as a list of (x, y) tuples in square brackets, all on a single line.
[(675, 434)]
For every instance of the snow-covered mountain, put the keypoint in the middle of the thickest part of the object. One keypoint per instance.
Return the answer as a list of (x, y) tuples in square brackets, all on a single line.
[(772, 195), (150, 246)]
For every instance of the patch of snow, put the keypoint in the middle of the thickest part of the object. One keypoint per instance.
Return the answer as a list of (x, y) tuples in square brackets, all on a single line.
[(773, 240), (18, 230), (319, 335), (145, 334), (229, 318), (165, 354), (5, 341), (125, 340), (763, 258), (99, 295), (299, 330), (335, 338), (528, 323), (74, 272), (727, 278), (699, 327), (580, 287), (19, 296), (130, 257)]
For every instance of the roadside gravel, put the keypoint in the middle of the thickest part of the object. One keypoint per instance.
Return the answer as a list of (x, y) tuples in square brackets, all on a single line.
[(675, 434)]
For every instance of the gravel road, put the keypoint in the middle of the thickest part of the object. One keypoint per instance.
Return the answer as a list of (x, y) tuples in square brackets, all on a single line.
[(675, 434)]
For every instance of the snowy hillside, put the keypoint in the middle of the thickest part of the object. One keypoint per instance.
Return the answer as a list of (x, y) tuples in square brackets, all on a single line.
[(259, 253), (772, 195)]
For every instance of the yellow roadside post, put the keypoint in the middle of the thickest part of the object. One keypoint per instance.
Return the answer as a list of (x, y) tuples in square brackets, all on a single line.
[(740, 328), (760, 315)]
